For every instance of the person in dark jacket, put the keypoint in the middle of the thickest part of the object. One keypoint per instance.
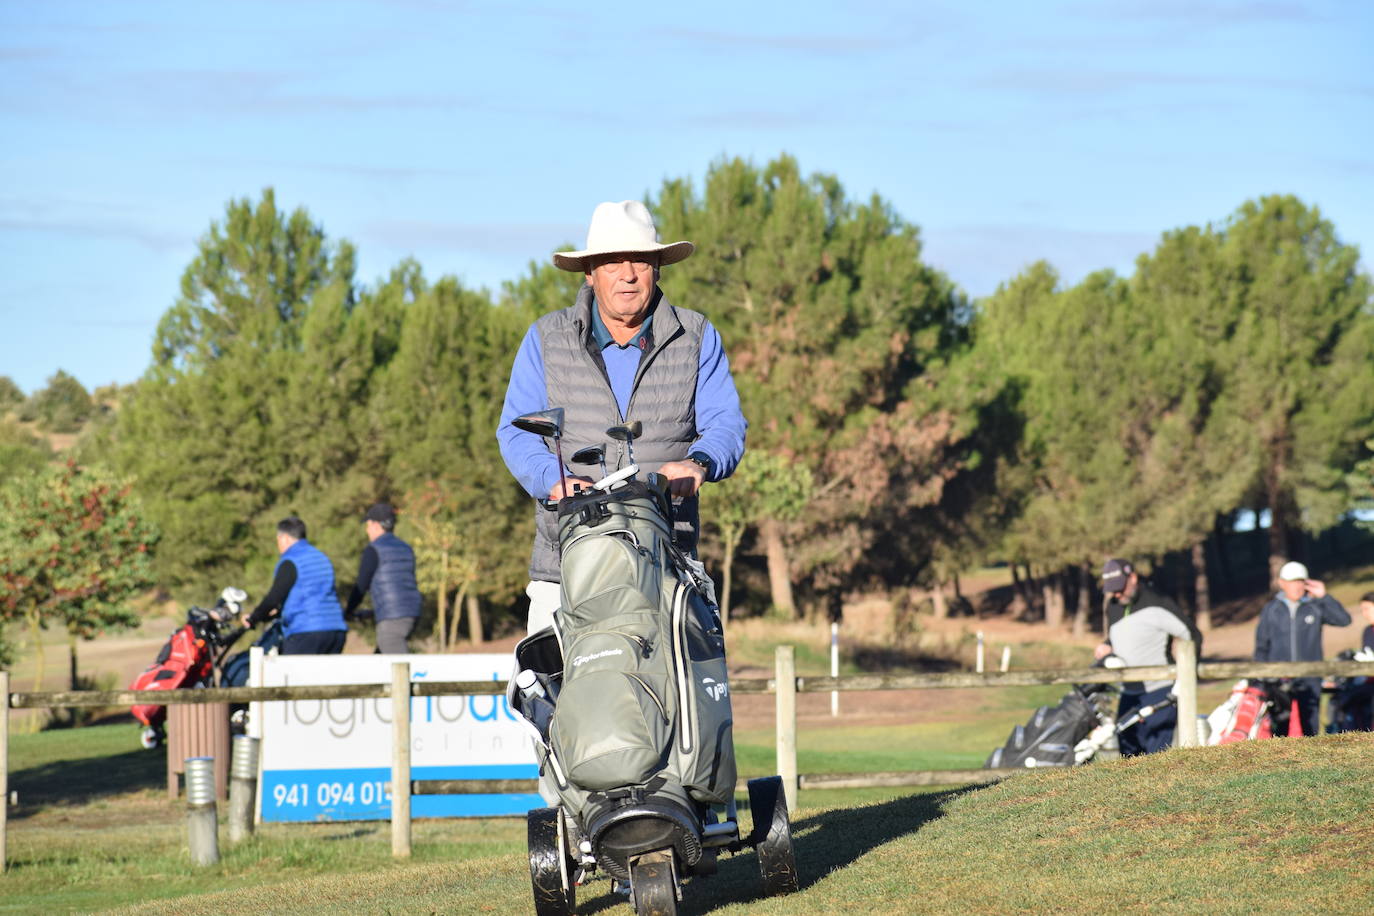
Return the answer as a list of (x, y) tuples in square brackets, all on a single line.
[(387, 568), (1140, 622), (303, 593), (1290, 630)]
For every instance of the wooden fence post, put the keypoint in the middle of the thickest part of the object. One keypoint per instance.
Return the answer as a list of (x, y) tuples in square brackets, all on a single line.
[(1185, 735), (785, 674), (400, 759), (4, 765)]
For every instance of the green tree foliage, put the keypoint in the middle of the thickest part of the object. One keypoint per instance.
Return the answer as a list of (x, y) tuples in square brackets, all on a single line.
[(74, 549), (437, 408), (1302, 331), (764, 487), (61, 407), (21, 452), (248, 412), (1232, 366), (828, 315), (11, 395)]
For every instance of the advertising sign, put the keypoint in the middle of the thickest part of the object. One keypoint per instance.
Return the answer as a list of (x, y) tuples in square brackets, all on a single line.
[(330, 760)]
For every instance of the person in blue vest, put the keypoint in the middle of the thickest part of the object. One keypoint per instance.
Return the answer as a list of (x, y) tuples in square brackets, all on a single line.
[(303, 593), (387, 569), (621, 352)]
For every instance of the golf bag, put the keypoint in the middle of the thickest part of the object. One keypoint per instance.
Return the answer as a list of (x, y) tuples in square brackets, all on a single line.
[(1050, 737), (187, 659), (629, 697), (1254, 710)]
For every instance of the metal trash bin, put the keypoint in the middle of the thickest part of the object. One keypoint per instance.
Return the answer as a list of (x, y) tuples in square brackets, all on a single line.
[(198, 730)]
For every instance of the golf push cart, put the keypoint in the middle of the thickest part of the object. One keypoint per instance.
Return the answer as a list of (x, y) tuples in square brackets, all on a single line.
[(627, 697)]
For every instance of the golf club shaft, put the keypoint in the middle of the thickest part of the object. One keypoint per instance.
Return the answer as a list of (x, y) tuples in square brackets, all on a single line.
[(562, 471)]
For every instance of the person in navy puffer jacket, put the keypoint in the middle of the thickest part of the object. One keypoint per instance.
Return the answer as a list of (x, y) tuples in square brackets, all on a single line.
[(387, 569), (1290, 630), (303, 593)]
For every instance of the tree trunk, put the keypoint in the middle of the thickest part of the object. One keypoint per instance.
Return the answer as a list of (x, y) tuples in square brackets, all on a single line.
[(458, 601), (474, 618), (1085, 600), (1280, 520), (1202, 600), (37, 630), (1228, 579), (779, 573), (1052, 588), (72, 675), (443, 601), (937, 598), (728, 545), (1019, 605)]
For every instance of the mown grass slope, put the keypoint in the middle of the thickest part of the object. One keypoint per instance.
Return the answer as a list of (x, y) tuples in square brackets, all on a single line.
[(1283, 826)]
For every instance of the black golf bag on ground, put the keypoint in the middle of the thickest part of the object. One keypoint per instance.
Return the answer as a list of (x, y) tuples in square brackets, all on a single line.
[(628, 698), (1048, 739)]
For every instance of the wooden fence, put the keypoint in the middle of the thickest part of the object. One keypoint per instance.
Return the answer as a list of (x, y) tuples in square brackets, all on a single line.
[(785, 685)]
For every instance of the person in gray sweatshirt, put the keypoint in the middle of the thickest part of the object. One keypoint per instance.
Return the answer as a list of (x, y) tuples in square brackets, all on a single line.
[(1140, 622)]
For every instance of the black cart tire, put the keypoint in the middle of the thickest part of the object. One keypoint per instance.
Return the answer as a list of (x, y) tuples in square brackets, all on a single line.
[(772, 836), (550, 865), (653, 887)]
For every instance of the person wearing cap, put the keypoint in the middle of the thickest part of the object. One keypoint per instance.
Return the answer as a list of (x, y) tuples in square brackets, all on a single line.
[(303, 593), (387, 569), (1140, 622), (621, 352), (1290, 630)]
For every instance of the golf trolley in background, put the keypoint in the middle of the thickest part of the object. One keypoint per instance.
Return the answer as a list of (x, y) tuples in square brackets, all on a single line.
[(189, 658), (627, 698), (1082, 727), (197, 655)]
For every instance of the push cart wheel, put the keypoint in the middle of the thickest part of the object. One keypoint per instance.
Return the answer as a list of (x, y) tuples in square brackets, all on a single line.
[(653, 887), (550, 867), (772, 836)]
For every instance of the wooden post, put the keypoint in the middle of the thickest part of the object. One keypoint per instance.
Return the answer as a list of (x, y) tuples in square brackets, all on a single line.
[(400, 759), (786, 676), (4, 765), (834, 665), (1185, 653)]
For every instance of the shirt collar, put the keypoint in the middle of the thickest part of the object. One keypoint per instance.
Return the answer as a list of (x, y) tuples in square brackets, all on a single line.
[(601, 334)]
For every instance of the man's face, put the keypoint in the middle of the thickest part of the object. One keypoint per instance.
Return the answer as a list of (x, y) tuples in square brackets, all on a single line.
[(1293, 589), (623, 284), (1367, 609)]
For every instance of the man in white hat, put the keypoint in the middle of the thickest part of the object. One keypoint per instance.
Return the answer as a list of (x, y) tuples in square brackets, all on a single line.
[(1290, 630), (620, 353)]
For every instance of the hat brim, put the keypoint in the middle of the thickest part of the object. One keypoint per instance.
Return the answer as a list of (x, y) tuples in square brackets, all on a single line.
[(670, 253)]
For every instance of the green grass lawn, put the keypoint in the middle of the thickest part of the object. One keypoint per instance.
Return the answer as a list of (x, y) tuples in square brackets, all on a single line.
[(1275, 826)]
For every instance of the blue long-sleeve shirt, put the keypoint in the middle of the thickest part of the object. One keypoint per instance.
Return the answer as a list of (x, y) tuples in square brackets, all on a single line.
[(720, 425)]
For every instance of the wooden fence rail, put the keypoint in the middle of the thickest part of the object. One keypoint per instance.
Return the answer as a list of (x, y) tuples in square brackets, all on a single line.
[(1187, 673)]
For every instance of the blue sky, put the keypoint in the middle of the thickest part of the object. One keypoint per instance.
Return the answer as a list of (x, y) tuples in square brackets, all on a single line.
[(477, 137)]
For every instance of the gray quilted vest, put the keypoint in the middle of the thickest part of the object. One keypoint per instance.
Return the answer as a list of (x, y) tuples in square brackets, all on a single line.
[(663, 399)]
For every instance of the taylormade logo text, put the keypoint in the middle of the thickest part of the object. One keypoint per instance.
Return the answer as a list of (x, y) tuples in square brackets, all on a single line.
[(578, 660)]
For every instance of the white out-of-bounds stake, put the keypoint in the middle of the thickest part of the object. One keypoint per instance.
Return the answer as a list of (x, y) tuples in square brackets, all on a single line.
[(980, 652), (834, 665), (1006, 657)]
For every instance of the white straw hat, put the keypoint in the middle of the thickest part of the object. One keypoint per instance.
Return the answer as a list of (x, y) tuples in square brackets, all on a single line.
[(622, 228)]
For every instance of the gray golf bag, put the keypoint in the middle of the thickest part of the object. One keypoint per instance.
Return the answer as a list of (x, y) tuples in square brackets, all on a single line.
[(629, 697)]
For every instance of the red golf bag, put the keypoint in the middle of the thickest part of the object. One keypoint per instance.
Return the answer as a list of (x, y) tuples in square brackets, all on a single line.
[(187, 659)]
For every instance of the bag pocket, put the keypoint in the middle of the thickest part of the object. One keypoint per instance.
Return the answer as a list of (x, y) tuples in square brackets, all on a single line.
[(611, 729)]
